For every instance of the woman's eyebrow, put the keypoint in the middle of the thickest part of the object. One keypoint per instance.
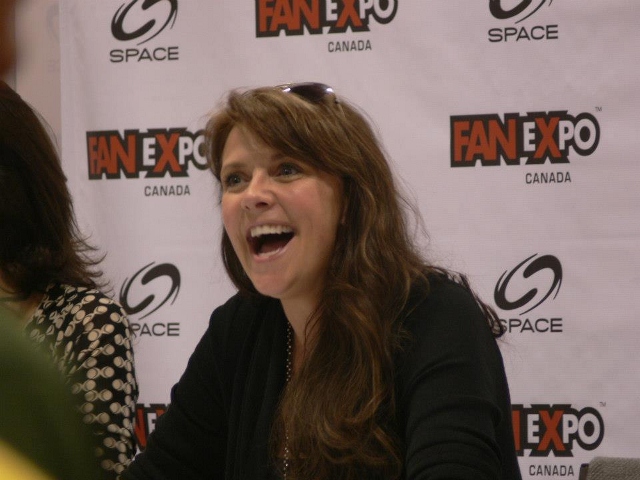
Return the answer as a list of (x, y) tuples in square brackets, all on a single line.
[(234, 165), (240, 163), (275, 156)]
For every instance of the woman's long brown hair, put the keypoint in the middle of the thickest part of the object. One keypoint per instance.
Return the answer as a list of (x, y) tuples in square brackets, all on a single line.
[(339, 411), (40, 241)]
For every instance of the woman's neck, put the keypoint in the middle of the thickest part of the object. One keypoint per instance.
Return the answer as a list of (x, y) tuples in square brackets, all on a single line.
[(299, 314)]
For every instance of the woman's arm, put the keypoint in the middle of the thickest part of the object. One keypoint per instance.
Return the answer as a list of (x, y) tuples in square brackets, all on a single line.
[(453, 398), (102, 378), (189, 440)]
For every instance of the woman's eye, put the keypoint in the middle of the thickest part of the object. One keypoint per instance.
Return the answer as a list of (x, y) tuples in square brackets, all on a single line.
[(288, 169), (232, 180)]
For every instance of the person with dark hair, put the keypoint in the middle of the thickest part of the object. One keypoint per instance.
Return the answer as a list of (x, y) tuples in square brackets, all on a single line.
[(345, 354), (49, 281)]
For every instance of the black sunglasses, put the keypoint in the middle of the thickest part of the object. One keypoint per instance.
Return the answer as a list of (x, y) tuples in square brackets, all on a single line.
[(311, 91)]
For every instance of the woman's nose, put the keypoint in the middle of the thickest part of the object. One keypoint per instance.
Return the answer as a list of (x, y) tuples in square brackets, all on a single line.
[(257, 195)]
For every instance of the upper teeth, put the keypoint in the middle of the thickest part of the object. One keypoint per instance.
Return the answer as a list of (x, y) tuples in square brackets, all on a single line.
[(270, 230)]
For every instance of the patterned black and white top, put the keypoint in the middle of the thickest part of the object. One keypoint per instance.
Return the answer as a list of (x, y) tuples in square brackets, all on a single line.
[(88, 337)]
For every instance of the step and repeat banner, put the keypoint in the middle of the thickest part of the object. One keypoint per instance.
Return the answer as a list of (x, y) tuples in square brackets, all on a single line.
[(512, 123)]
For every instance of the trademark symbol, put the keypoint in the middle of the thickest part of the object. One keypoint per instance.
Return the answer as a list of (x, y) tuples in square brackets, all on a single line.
[(598, 109), (603, 404)]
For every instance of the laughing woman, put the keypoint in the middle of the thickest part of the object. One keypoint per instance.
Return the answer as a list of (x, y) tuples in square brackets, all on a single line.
[(345, 354)]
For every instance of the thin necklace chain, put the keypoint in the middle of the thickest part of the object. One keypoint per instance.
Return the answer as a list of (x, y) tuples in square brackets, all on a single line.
[(289, 373)]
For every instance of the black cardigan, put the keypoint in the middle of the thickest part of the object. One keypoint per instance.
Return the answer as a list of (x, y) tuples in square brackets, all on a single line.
[(452, 396)]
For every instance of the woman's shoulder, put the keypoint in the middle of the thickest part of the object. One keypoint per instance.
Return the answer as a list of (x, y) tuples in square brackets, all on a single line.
[(440, 287), (443, 301), (445, 324), (65, 304), (84, 318), (78, 293)]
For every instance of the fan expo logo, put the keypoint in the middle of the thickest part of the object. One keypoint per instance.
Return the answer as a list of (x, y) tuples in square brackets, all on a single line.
[(156, 153), (145, 292), (534, 281), (294, 17), (542, 430), (534, 138), (145, 422), (136, 23), (517, 12)]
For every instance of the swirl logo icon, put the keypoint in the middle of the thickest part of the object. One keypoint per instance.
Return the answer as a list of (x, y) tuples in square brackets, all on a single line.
[(526, 269), (159, 295), (526, 8), (143, 20)]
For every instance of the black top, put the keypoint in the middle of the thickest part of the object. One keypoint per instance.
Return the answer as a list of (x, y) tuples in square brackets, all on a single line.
[(453, 401)]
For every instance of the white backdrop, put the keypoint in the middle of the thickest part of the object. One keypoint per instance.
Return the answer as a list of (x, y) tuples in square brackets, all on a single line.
[(512, 123)]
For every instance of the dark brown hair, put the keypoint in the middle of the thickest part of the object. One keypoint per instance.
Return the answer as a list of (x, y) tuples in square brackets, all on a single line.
[(40, 242), (340, 407)]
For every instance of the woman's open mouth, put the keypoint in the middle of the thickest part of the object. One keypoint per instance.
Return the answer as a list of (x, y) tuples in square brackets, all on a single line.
[(267, 240)]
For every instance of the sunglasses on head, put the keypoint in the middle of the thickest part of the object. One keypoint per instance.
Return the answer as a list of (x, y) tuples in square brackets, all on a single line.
[(312, 91)]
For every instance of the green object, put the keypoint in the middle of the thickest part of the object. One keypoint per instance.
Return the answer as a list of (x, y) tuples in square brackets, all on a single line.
[(37, 414)]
